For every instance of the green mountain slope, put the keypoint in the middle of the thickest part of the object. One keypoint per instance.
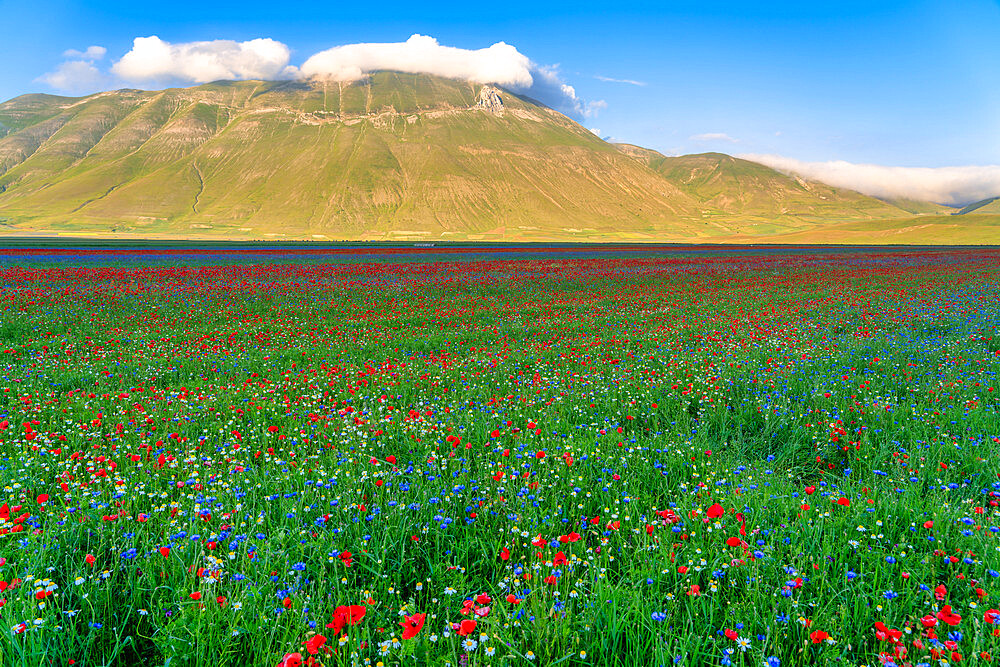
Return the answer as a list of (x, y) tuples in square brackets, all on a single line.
[(990, 205), (398, 156), (728, 187), (918, 207)]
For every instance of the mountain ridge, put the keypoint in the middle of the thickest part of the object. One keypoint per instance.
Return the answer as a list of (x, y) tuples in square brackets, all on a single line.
[(988, 205), (395, 157)]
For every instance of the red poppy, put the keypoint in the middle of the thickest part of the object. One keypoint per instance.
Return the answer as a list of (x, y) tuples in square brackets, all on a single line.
[(291, 660), (315, 643), (559, 559), (346, 615), (733, 541), (948, 616), (346, 557), (715, 511), (195, 596), (412, 625), (467, 627), (504, 554), (818, 636), (667, 515)]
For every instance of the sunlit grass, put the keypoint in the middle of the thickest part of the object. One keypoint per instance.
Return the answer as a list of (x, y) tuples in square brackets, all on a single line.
[(622, 461)]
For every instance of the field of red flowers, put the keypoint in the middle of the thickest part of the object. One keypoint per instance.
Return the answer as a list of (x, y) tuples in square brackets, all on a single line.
[(666, 459)]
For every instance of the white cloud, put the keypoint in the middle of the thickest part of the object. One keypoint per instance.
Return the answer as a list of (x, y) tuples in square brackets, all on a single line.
[(591, 109), (631, 82), (91, 53), (75, 76), (596, 130), (152, 59), (714, 136), (79, 75), (943, 185), (500, 63)]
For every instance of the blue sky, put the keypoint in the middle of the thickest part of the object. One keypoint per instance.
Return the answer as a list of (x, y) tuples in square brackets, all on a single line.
[(909, 84)]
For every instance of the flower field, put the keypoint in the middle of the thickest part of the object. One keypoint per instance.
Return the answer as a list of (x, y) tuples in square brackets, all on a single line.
[(778, 458)]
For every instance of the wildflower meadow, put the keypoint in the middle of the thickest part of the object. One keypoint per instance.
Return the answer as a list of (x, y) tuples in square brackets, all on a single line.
[(749, 458)]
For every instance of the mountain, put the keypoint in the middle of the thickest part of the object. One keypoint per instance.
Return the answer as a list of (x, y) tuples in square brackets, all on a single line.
[(762, 199), (918, 207), (990, 205), (395, 157), (398, 156)]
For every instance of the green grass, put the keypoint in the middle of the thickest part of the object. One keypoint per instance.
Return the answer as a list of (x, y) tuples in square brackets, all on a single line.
[(969, 229), (317, 404)]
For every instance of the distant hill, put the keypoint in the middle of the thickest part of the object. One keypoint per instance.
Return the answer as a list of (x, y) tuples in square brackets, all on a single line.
[(918, 207), (730, 188), (395, 157), (917, 230), (991, 205)]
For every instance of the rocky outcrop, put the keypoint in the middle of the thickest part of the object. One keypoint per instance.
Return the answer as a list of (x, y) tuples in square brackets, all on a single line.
[(490, 100)]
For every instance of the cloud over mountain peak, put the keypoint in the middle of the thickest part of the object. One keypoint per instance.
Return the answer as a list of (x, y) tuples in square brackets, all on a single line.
[(954, 186)]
